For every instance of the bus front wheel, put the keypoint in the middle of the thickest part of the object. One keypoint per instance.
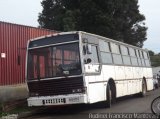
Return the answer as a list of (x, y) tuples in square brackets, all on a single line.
[(109, 96)]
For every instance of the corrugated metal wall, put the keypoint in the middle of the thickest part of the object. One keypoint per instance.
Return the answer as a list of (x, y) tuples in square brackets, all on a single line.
[(13, 42)]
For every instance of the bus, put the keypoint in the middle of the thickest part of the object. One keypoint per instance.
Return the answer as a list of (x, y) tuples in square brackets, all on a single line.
[(83, 68)]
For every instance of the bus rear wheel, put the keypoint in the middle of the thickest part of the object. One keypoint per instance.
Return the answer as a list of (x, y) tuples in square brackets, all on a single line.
[(144, 89)]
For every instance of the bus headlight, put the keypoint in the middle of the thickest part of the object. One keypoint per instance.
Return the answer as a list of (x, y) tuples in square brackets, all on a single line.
[(79, 90), (32, 94)]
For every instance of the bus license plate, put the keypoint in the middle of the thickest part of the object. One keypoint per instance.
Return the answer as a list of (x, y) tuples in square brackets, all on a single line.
[(75, 99)]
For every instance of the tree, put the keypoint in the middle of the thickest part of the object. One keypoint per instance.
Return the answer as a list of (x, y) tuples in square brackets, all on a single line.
[(151, 53), (116, 19)]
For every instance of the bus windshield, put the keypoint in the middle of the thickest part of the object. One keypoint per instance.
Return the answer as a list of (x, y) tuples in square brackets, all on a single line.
[(55, 61)]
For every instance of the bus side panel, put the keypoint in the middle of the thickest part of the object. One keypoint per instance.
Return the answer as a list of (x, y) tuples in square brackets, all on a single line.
[(145, 72), (97, 84), (108, 73), (149, 79), (138, 79), (95, 89), (129, 77), (119, 78)]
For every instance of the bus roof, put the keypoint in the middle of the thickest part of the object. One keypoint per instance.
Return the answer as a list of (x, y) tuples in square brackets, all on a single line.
[(82, 32)]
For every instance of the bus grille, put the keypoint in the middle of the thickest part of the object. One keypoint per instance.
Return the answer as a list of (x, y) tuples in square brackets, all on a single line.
[(55, 86)]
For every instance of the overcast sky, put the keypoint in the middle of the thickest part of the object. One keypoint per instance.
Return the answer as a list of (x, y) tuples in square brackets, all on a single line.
[(26, 12)]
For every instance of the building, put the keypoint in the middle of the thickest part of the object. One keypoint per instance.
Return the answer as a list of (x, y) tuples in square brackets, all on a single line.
[(13, 42)]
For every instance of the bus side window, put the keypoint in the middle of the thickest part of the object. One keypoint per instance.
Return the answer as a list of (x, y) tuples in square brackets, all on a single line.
[(145, 55), (104, 46), (146, 58), (133, 57), (142, 59), (94, 55), (125, 55), (139, 58), (117, 58), (105, 52), (115, 48)]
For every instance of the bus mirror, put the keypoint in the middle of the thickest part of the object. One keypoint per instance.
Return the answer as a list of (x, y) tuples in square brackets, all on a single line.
[(89, 60), (84, 50), (89, 49)]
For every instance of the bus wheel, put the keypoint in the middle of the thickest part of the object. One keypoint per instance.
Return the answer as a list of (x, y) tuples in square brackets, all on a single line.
[(109, 96), (144, 88)]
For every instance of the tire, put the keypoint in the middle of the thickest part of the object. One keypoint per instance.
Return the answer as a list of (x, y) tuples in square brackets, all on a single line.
[(109, 96), (154, 106), (144, 89), (156, 86)]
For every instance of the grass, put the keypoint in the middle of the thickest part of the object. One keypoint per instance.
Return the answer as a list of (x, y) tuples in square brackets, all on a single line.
[(16, 110)]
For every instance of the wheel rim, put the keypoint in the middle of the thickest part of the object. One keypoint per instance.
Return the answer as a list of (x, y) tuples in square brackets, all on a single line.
[(156, 106)]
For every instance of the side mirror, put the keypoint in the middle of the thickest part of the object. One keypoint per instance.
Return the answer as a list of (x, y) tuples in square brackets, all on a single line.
[(87, 61), (84, 50), (89, 49)]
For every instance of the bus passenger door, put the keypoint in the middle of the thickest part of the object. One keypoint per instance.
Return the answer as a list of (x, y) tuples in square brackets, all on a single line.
[(92, 60), (92, 68)]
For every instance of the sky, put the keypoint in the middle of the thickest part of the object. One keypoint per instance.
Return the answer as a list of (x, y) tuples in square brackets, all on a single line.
[(26, 12)]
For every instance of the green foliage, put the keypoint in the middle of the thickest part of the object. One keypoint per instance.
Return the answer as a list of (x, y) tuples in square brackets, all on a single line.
[(151, 53), (116, 19), (1, 110), (16, 110), (155, 60), (3, 114)]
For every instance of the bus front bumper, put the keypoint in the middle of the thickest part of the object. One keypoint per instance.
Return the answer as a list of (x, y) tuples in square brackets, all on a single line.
[(57, 100)]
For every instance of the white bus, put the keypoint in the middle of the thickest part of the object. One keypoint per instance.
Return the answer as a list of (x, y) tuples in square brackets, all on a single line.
[(79, 67)]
